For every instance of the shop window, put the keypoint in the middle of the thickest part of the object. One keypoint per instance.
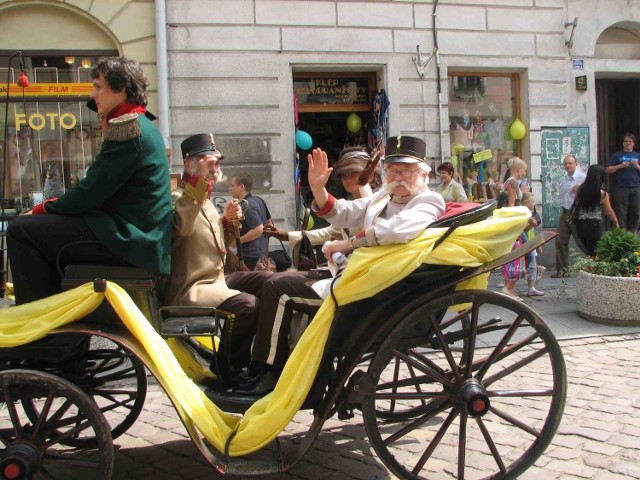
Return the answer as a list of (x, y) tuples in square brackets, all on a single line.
[(482, 107), (51, 136)]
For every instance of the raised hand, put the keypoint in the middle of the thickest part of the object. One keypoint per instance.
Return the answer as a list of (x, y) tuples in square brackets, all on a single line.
[(319, 171)]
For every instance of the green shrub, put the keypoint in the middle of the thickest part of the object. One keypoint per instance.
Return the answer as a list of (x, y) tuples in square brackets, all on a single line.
[(617, 255)]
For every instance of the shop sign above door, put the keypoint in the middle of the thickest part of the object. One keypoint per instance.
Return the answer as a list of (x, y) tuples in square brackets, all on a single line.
[(332, 90)]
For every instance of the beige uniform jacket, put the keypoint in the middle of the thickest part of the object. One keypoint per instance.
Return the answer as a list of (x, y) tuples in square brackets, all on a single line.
[(198, 252)]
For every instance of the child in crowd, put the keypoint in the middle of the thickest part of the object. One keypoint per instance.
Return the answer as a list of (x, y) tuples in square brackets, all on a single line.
[(529, 201)]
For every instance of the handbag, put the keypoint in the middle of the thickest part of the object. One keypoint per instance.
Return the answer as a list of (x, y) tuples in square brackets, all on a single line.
[(572, 215), (304, 255), (281, 257), (265, 263), (516, 269)]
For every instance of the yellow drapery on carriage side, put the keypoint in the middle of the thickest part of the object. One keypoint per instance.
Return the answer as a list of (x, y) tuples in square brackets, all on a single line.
[(370, 271)]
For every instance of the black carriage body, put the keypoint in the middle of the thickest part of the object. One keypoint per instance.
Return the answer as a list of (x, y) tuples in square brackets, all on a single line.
[(348, 372)]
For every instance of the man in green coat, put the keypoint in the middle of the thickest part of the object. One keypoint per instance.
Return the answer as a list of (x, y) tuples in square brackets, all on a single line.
[(124, 202)]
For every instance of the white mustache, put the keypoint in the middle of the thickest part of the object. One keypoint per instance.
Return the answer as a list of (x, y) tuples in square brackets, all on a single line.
[(417, 188)]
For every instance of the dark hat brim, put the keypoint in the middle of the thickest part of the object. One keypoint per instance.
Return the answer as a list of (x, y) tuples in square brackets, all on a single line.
[(91, 105), (402, 159), (207, 151)]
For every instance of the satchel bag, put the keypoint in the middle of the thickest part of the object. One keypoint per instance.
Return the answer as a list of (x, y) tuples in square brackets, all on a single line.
[(304, 255)]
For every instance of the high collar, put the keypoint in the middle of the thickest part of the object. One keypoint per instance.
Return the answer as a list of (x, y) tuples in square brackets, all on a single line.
[(123, 108)]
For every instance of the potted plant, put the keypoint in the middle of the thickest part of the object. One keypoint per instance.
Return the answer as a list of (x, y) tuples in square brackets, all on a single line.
[(608, 287)]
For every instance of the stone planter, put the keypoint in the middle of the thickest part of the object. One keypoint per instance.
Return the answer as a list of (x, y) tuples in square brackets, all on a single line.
[(610, 300)]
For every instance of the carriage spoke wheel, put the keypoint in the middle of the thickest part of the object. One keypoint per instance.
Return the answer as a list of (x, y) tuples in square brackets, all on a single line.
[(473, 393), (35, 448), (116, 380)]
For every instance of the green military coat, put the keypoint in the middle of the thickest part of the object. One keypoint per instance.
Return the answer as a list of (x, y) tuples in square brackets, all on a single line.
[(126, 197)]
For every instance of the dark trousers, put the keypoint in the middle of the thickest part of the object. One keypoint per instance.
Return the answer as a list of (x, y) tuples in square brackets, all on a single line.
[(565, 230), (589, 231), (33, 243), (283, 294), (238, 335), (626, 203)]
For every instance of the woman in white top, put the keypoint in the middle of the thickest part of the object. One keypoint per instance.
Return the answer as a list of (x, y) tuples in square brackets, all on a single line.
[(450, 190)]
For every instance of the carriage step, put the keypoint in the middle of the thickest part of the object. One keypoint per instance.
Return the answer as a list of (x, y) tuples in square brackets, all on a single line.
[(251, 467), (189, 326)]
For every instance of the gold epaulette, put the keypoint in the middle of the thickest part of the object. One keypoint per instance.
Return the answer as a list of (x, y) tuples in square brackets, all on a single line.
[(123, 128)]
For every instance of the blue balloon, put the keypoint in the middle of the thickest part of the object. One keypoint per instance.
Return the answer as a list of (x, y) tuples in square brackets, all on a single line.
[(303, 140)]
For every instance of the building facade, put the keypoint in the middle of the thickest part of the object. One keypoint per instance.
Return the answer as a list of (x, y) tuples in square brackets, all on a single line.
[(457, 73)]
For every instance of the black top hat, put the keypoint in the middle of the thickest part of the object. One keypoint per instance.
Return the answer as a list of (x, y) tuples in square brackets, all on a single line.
[(200, 144), (91, 105), (404, 149)]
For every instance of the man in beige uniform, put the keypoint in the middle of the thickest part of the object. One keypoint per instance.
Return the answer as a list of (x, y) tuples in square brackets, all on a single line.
[(198, 252)]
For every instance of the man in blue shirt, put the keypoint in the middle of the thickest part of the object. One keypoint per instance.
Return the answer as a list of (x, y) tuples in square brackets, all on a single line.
[(256, 216), (625, 165)]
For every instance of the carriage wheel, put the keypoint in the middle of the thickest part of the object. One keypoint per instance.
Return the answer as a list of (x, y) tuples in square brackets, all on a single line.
[(116, 380), (36, 448), (475, 402)]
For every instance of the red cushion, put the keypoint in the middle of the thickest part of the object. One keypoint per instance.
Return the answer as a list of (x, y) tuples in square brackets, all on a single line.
[(454, 208)]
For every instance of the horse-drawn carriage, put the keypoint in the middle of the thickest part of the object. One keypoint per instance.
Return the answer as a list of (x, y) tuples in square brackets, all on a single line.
[(451, 382)]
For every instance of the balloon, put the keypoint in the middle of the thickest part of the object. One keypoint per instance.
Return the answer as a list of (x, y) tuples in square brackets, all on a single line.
[(457, 148), (354, 122), (518, 130), (303, 140), (483, 136), (311, 223)]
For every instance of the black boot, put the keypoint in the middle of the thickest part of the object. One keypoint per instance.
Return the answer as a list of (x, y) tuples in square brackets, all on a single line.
[(263, 384)]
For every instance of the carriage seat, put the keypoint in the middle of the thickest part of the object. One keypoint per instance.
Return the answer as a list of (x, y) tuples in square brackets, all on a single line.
[(145, 287)]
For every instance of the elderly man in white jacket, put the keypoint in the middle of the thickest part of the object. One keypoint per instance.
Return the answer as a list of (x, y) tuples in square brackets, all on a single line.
[(397, 213)]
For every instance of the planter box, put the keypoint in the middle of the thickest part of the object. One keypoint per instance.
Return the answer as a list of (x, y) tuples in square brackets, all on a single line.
[(610, 300)]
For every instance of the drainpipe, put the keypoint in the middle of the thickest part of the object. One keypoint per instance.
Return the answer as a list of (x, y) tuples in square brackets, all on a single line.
[(438, 75), (162, 71)]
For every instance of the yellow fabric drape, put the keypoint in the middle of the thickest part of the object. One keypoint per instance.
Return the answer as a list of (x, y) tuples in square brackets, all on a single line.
[(370, 271)]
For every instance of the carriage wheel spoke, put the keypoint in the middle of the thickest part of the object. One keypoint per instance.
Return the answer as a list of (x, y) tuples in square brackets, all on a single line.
[(498, 350), (462, 445), (428, 367), (55, 459), (514, 421), (13, 413), (446, 349), (441, 406), (491, 444), (435, 442), (42, 416), (516, 366), (471, 347)]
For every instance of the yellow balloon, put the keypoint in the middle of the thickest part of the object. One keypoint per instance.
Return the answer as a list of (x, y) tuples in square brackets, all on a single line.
[(354, 122), (311, 223), (517, 130)]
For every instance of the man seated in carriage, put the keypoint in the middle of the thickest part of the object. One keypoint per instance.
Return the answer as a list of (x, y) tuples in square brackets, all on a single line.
[(397, 213), (198, 255), (123, 204)]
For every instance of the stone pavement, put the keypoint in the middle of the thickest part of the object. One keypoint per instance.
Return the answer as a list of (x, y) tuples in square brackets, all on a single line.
[(598, 439)]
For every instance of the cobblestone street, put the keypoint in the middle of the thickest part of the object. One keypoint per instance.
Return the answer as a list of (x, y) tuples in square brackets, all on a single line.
[(599, 437)]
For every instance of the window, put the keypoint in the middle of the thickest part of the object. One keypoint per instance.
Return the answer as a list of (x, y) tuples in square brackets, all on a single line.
[(51, 135), (482, 107)]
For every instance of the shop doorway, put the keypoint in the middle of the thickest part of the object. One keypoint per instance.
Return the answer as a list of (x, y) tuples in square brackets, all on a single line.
[(618, 110), (333, 108)]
